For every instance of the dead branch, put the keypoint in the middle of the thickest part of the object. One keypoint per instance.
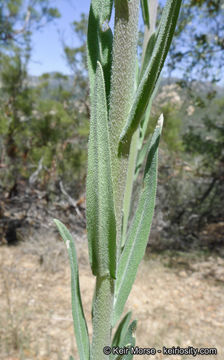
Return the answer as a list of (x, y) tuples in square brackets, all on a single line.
[(71, 201), (33, 177)]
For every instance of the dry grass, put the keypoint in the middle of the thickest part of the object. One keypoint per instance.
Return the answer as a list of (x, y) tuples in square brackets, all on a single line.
[(177, 300)]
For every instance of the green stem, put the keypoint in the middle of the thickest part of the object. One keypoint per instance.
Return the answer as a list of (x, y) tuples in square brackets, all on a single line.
[(122, 88), (129, 184), (102, 310)]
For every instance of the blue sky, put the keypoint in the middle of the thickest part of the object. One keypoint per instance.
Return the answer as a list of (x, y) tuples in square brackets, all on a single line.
[(47, 54), (47, 50)]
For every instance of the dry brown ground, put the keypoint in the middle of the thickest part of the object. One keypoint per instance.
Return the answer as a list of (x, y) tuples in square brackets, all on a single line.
[(178, 301)]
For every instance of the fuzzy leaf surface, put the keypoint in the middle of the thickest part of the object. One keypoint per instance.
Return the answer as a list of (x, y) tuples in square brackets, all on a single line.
[(148, 54), (148, 82), (129, 184), (80, 327), (101, 225), (141, 157), (138, 233), (119, 336), (99, 41), (128, 341), (143, 128)]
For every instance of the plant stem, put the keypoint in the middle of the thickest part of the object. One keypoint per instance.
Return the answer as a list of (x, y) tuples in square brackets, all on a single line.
[(122, 88), (102, 311), (130, 182)]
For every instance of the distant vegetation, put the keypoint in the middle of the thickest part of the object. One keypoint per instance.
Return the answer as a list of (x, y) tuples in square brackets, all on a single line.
[(44, 125)]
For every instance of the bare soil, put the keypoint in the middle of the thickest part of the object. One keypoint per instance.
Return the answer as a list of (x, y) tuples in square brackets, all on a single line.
[(178, 300)]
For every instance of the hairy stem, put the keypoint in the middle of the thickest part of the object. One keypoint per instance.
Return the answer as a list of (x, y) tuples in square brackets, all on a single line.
[(102, 311), (122, 88)]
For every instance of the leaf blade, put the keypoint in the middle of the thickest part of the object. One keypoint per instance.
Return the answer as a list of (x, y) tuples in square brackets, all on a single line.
[(120, 333), (139, 231), (148, 82), (99, 41), (128, 342), (101, 224), (129, 184), (148, 54), (145, 12), (80, 326)]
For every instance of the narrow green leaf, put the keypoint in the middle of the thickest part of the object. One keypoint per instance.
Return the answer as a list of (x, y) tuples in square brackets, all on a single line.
[(129, 184), (145, 119), (138, 234), (148, 54), (130, 173), (145, 12), (142, 132), (128, 342), (141, 157), (102, 9), (163, 40), (101, 225), (144, 123), (99, 41), (80, 327), (119, 336)]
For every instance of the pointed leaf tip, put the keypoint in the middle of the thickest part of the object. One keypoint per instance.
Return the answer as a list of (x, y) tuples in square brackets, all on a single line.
[(160, 121), (79, 321)]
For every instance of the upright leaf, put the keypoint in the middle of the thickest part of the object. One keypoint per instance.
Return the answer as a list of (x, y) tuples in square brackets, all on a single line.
[(141, 157), (130, 173), (129, 184), (148, 54), (145, 12), (80, 327), (119, 336), (142, 132), (101, 225), (139, 231), (163, 40), (99, 41), (128, 342)]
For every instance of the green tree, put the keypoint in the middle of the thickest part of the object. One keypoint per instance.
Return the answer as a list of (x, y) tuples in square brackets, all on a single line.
[(206, 144), (77, 60), (17, 21), (197, 51)]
